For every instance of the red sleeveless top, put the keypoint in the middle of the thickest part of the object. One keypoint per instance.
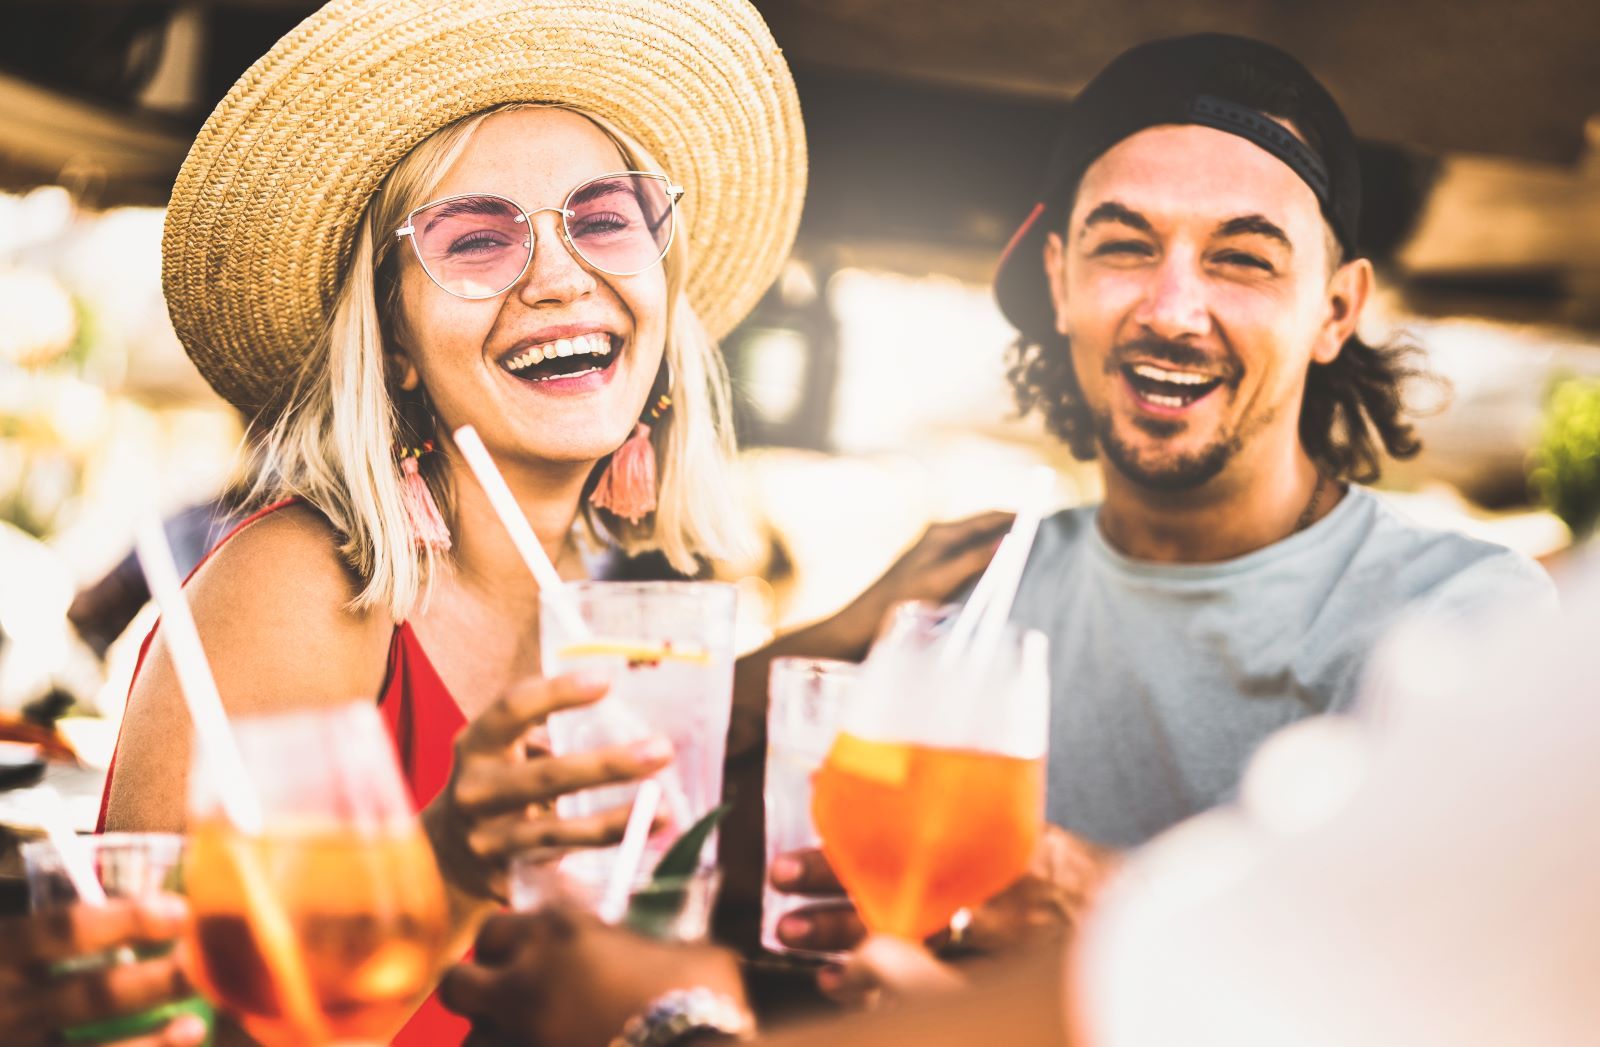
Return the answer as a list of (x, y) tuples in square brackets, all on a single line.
[(424, 719)]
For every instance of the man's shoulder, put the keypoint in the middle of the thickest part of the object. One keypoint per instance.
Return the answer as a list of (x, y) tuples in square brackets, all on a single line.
[(1062, 537), (1439, 568)]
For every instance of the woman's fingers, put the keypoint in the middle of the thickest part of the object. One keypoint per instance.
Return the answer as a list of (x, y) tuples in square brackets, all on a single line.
[(884, 963), (186, 1030), (58, 934), (822, 927), (804, 872), (90, 996), (526, 704), (497, 838), (489, 787)]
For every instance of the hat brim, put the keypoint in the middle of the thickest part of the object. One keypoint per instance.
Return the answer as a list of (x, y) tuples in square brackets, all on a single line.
[(263, 213)]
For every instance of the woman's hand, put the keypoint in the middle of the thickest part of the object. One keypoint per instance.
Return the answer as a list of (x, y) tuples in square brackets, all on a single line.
[(504, 783), (560, 978), (36, 1005)]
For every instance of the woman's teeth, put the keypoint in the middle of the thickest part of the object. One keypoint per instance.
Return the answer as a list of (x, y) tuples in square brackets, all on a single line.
[(589, 349)]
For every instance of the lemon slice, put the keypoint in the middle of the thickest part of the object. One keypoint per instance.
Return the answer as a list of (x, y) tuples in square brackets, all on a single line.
[(636, 653)]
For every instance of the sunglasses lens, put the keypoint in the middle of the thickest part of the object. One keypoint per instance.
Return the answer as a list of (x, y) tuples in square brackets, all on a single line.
[(621, 223), (474, 246)]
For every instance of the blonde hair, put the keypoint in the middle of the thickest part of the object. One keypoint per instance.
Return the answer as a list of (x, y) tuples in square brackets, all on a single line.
[(332, 441)]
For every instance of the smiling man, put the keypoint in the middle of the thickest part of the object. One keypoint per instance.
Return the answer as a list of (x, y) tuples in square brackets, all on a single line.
[(1187, 291)]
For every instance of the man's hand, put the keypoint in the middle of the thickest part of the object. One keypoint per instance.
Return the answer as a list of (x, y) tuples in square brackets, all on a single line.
[(36, 1005), (560, 978), (1047, 902), (944, 560)]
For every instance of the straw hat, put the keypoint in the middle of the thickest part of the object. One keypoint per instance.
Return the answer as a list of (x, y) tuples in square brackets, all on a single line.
[(264, 211)]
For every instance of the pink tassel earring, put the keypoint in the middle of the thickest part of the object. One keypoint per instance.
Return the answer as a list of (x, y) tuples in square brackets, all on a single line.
[(628, 486), (426, 522)]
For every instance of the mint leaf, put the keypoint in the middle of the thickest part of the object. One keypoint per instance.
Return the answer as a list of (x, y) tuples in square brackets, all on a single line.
[(684, 856)]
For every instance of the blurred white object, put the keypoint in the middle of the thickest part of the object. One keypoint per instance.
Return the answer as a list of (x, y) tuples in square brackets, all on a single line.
[(1438, 889), (40, 320), (41, 649)]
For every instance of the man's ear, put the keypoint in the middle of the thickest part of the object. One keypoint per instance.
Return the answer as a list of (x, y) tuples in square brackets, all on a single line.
[(1347, 296), (1055, 271)]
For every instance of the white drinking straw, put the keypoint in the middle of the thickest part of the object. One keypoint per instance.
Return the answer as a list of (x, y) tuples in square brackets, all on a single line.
[(982, 619), (216, 748), (631, 851), (516, 524), (75, 857)]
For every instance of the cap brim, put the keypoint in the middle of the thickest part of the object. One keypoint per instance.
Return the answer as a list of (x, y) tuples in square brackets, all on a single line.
[(1021, 287)]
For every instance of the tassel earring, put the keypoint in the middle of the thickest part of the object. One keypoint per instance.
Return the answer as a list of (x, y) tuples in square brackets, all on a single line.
[(628, 486), (427, 524)]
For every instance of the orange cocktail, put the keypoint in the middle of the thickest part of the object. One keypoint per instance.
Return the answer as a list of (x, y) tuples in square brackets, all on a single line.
[(323, 919), (917, 832), (931, 798), (314, 936)]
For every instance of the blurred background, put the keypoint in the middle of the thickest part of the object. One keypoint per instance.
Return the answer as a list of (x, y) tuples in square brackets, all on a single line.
[(871, 381)]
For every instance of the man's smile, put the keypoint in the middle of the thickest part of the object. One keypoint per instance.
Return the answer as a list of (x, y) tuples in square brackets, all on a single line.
[(1167, 387)]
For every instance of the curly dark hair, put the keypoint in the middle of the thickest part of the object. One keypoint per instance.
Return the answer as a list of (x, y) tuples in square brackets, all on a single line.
[(1354, 407)]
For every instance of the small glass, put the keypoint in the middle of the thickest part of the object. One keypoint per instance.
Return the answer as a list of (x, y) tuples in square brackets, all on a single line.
[(676, 910), (128, 865), (667, 648), (806, 700)]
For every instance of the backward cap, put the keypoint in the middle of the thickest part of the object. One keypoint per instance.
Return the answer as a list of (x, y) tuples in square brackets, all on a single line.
[(1158, 83)]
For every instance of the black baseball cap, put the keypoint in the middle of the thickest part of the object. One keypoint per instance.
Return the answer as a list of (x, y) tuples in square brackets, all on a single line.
[(1230, 83)]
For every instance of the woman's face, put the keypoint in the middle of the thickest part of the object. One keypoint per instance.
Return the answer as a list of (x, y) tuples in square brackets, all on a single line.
[(605, 334)]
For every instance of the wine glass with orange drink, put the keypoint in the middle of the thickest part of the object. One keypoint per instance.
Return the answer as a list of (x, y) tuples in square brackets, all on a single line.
[(931, 798), (328, 925)]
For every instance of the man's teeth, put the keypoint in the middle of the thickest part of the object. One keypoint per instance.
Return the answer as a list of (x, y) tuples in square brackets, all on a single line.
[(1165, 401), (592, 344), (1159, 374)]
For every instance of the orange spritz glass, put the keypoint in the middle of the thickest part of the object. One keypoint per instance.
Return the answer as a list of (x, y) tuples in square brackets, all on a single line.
[(932, 797)]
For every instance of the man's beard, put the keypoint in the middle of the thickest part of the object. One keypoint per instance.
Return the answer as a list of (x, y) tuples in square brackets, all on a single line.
[(1172, 473)]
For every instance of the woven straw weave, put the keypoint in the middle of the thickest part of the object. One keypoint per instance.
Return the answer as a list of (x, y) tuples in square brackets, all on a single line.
[(265, 207)]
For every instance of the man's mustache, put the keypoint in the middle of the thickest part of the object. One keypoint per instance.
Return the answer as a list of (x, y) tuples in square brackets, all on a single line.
[(1179, 356)]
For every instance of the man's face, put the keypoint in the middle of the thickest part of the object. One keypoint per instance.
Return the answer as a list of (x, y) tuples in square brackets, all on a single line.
[(1193, 281)]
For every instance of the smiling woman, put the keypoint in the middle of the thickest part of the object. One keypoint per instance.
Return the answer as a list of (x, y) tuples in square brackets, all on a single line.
[(409, 217)]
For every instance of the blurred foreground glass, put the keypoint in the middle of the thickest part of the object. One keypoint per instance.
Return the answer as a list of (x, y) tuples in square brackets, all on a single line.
[(805, 701), (128, 865), (667, 648), (932, 797), (677, 909), (329, 927)]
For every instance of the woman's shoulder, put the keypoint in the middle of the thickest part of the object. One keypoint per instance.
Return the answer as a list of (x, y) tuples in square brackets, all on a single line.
[(278, 594)]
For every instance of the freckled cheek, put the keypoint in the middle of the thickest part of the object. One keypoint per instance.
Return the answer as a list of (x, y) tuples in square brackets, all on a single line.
[(441, 336)]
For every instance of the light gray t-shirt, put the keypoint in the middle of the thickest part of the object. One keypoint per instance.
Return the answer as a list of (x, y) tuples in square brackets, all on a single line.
[(1165, 677)]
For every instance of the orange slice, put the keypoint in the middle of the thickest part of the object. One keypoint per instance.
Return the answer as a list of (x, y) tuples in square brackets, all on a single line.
[(886, 763)]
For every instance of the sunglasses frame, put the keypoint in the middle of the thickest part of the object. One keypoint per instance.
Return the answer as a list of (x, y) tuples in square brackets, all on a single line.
[(674, 194)]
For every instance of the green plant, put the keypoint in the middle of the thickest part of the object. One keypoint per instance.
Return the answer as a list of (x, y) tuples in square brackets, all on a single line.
[(1566, 468)]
